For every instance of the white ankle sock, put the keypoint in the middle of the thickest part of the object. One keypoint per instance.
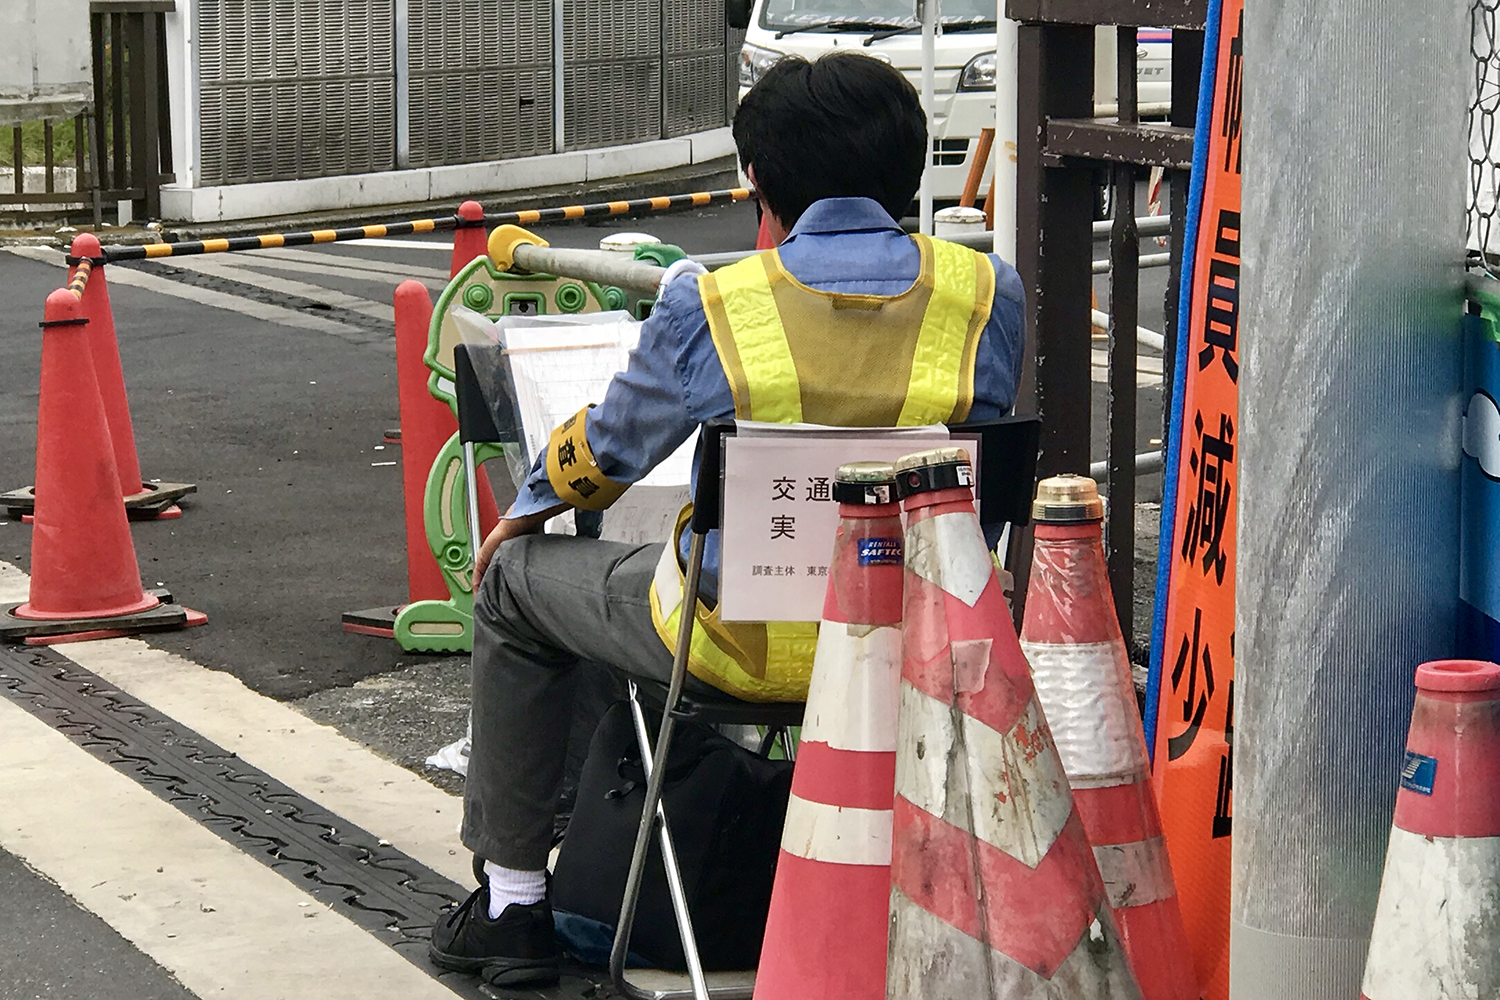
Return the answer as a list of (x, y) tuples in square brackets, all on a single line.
[(512, 885)]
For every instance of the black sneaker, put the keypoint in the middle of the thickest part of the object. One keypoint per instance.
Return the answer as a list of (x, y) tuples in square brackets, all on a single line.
[(518, 948)]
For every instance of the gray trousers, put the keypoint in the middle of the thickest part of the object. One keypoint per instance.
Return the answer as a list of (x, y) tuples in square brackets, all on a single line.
[(548, 606)]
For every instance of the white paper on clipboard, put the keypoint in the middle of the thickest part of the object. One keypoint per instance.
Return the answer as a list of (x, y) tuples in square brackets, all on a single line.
[(560, 364)]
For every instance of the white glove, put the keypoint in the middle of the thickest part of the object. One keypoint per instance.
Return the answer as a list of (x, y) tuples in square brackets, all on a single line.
[(684, 266)]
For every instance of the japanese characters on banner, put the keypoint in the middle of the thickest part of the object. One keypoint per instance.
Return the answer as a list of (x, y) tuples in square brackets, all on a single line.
[(1190, 701), (780, 515)]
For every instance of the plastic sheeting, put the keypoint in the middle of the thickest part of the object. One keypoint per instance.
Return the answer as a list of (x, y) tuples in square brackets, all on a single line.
[(1348, 518), (45, 64)]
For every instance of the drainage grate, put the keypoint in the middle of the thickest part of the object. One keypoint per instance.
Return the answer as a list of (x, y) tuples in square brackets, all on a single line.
[(382, 890)]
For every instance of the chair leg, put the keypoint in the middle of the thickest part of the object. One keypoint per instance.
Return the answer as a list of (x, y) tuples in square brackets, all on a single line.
[(651, 813), (769, 740), (668, 853), (788, 745)]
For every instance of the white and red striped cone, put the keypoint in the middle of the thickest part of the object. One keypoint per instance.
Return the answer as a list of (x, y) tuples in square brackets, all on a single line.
[(1082, 674), (1437, 925), (826, 932), (994, 889)]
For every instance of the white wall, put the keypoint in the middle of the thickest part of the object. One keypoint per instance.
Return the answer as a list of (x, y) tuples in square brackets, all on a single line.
[(45, 59)]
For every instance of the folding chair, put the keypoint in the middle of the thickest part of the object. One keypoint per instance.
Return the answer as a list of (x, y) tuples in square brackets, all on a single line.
[(1007, 453)]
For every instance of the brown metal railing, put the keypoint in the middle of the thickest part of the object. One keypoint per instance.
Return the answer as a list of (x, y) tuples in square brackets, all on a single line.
[(122, 146), (1063, 147), (53, 192), (132, 127)]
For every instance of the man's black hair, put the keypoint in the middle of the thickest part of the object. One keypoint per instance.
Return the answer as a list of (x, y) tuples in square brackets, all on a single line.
[(847, 125)]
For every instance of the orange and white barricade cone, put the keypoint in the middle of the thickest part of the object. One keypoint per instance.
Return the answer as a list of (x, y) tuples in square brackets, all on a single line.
[(994, 891), (1437, 925), (826, 932), (1082, 674), (84, 577)]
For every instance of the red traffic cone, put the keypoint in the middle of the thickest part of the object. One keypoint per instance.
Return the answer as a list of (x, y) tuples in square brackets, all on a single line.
[(83, 569), (1437, 925), (763, 239), (105, 350), (426, 426), (142, 499), (1082, 675), (469, 239), (826, 932), (995, 893)]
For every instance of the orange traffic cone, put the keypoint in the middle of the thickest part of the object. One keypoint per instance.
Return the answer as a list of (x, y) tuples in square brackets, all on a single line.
[(105, 350), (763, 239), (426, 426), (1082, 675), (995, 893), (83, 569), (1437, 925), (142, 499), (469, 241), (826, 932)]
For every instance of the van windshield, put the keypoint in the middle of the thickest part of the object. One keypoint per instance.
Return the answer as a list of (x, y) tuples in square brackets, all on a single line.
[(856, 15)]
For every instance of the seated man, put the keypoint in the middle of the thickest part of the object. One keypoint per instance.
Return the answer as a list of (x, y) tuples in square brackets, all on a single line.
[(848, 322)]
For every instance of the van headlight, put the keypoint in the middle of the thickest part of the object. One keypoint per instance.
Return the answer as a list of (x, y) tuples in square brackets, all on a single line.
[(754, 61), (979, 74)]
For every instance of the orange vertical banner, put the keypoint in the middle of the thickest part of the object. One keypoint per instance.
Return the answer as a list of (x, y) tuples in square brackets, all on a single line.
[(1190, 701)]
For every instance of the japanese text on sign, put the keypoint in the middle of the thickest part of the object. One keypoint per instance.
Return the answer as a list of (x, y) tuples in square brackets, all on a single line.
[(780, 515), (1190, 716)]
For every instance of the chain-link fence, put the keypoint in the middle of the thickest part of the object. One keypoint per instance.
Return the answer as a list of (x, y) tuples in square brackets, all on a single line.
[(1484, 144)]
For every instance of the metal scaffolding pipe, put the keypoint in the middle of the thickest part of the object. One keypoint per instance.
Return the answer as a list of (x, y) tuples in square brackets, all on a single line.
[(604, 266), (1145, 225), (1148, 338), (1146, 260), (1146, 463)]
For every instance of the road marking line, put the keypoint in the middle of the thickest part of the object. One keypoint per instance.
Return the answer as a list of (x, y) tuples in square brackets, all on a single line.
[(217, 268), (341, 775), (401, 244), (119, 275), (223, 923), (320, 261)]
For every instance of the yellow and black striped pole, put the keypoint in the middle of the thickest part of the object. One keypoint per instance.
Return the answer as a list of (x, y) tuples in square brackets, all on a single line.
[(81, 277), (529, 217)]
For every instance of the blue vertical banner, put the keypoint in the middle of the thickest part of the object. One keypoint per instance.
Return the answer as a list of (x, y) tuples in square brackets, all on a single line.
[(1479, 570)]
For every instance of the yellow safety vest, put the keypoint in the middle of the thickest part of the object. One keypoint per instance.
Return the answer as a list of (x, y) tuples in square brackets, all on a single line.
[(788, 352)]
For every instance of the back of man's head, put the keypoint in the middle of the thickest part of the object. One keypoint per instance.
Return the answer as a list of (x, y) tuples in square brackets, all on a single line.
[(845, 126)]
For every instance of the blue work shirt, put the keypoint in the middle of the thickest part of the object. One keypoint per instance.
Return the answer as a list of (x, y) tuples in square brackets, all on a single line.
[(674, 381)]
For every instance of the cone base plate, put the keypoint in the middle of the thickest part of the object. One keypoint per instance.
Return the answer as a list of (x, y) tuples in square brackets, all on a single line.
[(153, 500), (160, 618), (372, 621)]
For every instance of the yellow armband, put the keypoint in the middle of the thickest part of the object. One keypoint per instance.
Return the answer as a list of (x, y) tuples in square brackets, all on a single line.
[(572, 471)]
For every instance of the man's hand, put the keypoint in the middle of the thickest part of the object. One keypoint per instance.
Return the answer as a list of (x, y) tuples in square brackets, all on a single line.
[(508, 528)]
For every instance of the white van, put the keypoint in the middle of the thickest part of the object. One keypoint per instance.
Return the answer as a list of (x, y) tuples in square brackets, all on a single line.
[(964, 83)]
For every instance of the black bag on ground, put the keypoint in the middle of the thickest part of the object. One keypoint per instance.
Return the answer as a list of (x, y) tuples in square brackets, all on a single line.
[(726, 806)]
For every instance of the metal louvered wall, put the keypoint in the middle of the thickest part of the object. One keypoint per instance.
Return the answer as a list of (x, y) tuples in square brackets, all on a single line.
[(481, 80), (695, 66), (291, 89), (612, 72), (295, 88)]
